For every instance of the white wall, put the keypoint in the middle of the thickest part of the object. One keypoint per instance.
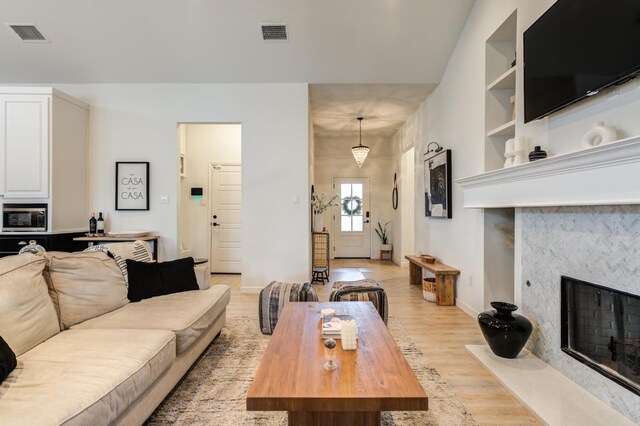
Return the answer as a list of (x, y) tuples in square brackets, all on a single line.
[(453, 115), (138, 122), (333, 158), (205, 144), (406, 206)]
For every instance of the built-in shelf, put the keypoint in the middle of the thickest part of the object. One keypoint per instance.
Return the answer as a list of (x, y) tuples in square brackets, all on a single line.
[(507, 129), (605, 174), (499, 125), (505, 81)]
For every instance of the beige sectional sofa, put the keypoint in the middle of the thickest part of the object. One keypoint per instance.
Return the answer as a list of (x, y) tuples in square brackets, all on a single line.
[(85, 355)]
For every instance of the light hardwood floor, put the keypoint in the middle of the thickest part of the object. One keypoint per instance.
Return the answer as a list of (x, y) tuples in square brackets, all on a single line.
[(440, 332)]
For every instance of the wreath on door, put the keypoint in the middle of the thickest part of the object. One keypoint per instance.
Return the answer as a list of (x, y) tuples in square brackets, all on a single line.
[(352, 205)]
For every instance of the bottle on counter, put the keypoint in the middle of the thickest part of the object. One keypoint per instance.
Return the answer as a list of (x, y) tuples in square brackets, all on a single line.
[(100, 225), (93, 224)]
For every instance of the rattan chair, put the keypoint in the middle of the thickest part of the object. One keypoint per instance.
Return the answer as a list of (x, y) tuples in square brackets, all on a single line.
[(320, 266)]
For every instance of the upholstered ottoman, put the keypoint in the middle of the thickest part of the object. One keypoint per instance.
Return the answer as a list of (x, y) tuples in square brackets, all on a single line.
[(273, 298), (361, 291)]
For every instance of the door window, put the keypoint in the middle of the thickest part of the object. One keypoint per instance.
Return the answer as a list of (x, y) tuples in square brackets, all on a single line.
[(351, 207)]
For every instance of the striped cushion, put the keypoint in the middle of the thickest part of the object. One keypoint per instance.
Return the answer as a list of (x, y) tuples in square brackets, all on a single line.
[(273, 298), (137, 250), (361, 291)]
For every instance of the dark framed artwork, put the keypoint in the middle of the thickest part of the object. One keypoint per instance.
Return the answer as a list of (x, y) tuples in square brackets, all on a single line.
[(132, 185), (437, 185)]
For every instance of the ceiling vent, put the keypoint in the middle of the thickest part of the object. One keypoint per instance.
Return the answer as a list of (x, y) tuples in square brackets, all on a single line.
[(28, 32), (274, 32)]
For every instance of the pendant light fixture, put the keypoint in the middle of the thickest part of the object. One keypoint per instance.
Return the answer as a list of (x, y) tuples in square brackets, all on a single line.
[(360, 151)]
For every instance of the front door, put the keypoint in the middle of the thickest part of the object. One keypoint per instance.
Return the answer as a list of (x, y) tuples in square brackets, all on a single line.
[(226, 224), (351, 230)]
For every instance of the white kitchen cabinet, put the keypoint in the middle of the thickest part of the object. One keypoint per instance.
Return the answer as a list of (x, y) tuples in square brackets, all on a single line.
[(43, 153), (24, 146)]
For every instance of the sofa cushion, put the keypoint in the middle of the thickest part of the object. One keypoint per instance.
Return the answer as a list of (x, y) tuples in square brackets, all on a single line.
[(84, 377), (136, 250), (84, 285), (159, 278), (187, 314), (27, 314), (7, 360)]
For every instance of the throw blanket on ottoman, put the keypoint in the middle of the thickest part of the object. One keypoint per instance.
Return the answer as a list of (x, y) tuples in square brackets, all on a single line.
[(361, 291), (273, 298)]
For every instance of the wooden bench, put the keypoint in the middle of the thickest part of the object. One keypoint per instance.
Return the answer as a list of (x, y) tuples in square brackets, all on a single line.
[(445, 278)]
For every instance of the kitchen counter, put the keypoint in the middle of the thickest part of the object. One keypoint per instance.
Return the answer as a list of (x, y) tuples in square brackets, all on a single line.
[(35, 233), (12, 242)]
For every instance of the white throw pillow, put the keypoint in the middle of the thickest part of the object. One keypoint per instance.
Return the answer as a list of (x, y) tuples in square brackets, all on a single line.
[(84, 285), (27, 314)]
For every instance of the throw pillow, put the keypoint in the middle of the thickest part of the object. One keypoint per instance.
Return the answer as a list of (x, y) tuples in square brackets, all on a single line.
[(155, 279), (137, 250), (84, 285), (27, 314), (7, 360)]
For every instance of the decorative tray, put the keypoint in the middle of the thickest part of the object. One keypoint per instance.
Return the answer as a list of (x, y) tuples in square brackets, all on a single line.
[(128, 234)]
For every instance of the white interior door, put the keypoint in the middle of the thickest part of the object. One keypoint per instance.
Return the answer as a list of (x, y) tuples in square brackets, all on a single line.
[(351, 222), (226, 224)]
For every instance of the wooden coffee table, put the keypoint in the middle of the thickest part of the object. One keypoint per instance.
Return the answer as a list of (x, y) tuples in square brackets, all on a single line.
[(374, 378)]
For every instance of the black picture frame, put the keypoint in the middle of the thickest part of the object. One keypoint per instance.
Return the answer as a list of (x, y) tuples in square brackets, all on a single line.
[(132, 185), (437, 186)]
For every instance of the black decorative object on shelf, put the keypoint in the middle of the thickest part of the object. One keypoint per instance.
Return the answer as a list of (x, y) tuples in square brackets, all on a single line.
[(505, 332), (537, 154)]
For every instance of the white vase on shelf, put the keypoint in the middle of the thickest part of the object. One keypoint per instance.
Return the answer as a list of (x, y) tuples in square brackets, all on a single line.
[(508, 153), (318, 224), (599, 134), (519, 151)]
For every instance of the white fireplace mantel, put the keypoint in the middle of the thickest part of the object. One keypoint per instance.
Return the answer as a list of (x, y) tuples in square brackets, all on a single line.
[(602, 175)]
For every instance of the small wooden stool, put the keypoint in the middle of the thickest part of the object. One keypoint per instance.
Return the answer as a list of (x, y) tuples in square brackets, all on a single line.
[(383, 252), (320, 274)]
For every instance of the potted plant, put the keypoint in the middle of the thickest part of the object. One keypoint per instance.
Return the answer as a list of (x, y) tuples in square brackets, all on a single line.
[(384, 236), (320, 203)]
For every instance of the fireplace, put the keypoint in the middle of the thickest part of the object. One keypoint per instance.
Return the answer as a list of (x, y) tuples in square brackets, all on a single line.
[(601, 328)]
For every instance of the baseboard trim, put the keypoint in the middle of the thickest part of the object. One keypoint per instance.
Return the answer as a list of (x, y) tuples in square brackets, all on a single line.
[(466, 308)]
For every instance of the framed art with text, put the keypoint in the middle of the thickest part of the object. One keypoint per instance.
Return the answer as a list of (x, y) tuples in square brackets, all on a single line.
[(132, 185), (437, 185)]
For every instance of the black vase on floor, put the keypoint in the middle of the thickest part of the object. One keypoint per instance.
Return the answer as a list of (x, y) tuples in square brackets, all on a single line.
[(505, 332)]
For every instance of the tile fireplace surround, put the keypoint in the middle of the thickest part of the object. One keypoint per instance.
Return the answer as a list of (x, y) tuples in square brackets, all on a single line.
[(598, 244)]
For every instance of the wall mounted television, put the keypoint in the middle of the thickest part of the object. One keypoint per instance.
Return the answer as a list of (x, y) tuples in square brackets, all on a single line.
[(577, 48)]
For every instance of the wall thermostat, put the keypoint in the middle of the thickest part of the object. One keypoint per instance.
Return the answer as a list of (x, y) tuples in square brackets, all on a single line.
[(196, 193)]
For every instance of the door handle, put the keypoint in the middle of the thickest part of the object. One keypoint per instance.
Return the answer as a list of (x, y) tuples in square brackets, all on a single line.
[(366, 221), (215, 224)]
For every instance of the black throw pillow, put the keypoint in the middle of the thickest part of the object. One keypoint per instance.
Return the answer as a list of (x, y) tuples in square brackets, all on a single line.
[(7, 360), (157, 278)]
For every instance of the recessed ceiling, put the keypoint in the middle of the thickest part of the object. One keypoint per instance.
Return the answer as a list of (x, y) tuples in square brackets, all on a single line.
[(385, 107), (220, 41)]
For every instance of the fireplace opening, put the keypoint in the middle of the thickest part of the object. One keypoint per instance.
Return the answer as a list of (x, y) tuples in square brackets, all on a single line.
[(601, 328)]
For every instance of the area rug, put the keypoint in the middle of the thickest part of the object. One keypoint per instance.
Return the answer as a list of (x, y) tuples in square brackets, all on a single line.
[(213, 392)]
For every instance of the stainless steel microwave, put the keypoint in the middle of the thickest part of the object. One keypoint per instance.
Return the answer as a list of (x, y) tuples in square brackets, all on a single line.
[(24, 217)]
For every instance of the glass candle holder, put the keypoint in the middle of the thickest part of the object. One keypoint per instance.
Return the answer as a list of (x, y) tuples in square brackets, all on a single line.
[(329, 354)]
